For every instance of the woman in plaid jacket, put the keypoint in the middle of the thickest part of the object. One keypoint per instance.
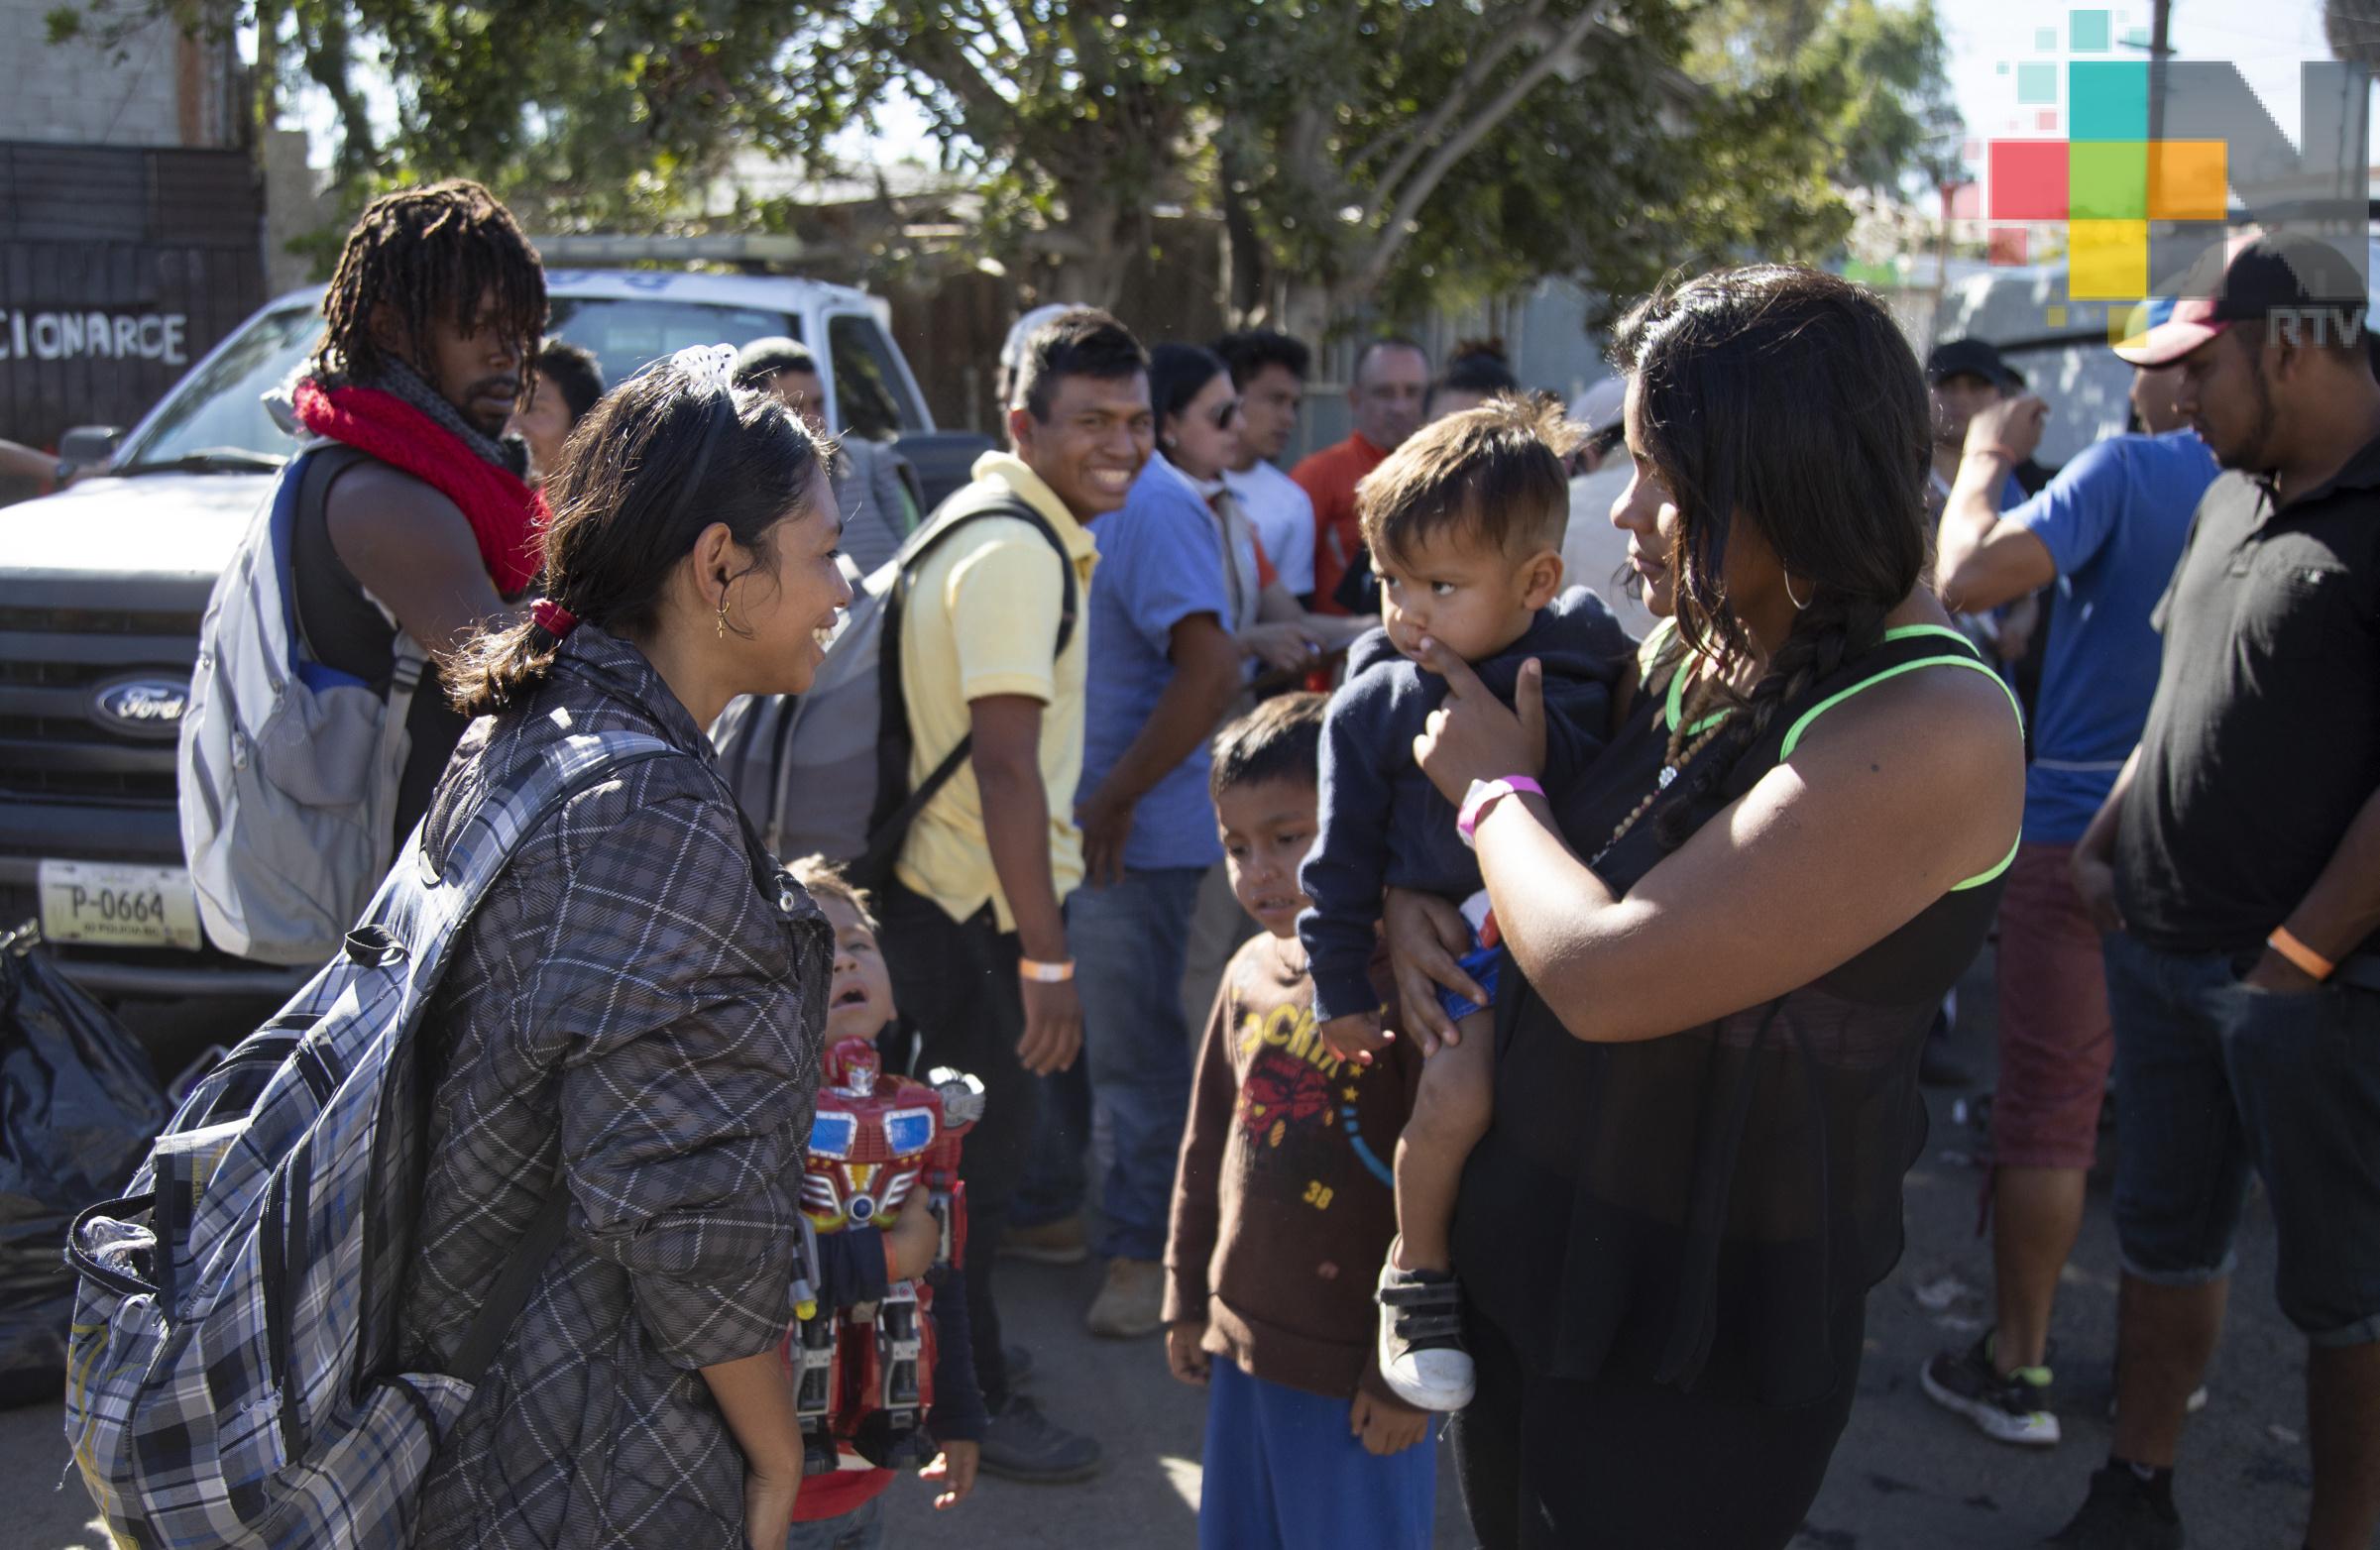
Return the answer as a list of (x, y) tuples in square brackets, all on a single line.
[(634, 1014)]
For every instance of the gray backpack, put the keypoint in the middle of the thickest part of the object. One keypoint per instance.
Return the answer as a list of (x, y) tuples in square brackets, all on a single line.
[(287, 770), (827, 772), (232, 1372)]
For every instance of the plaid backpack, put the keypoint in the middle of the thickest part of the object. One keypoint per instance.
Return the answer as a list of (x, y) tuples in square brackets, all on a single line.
[(231, 1377)]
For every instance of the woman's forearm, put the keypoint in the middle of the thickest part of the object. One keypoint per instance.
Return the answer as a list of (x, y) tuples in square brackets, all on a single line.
[(755, 1394), (1545, 898)]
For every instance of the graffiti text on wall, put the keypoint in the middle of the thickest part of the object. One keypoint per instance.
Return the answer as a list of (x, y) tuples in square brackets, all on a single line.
[(77, 336)]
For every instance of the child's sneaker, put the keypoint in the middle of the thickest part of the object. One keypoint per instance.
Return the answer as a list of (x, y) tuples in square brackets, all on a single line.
[(1421, 1351), (2008, 1407)]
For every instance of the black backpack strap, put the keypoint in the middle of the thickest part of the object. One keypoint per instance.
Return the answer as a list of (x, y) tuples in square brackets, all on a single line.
[(326, 595), (513, 1285), (897, 806)]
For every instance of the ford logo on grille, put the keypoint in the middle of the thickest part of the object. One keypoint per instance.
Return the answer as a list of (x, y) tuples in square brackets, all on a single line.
[(141, 706)]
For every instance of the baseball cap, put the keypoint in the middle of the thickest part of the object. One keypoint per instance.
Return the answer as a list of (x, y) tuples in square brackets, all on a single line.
[(2248, 279), (1972, 358)]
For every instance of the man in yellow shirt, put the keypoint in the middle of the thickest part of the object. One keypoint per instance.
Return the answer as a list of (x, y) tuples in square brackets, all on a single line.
[(973, 928)]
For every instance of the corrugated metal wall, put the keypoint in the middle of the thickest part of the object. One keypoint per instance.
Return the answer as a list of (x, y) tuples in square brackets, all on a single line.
[(118, 269)]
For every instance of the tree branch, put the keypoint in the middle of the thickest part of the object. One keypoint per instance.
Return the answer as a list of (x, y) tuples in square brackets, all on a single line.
[(1424, 182), (1418, 137), (942, 60)]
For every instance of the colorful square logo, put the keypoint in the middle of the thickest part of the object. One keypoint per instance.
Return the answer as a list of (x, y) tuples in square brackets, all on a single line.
[(2160, 160)]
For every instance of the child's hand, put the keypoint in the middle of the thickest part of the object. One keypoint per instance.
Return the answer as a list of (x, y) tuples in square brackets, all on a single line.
[(1184, 1356), (954, 1468), (1386, 1425), (1471, 736), (1354, 1036), (916, 1237)]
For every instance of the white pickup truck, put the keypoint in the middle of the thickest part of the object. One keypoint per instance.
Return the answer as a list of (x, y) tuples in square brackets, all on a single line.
[(101, 588)]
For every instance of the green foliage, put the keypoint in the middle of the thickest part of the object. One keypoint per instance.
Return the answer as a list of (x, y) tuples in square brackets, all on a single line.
[(1380, 155), (1863, 80)]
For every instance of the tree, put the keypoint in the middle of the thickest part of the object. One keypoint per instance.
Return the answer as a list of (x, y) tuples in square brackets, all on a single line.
[(2351, 27), (1363, 156), (1376, 155)]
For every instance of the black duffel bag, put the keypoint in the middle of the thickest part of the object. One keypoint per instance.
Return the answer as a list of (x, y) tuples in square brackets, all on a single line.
[(78, 1107)]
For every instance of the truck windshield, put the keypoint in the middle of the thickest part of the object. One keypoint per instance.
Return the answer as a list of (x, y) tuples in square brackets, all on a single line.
[(217, 415)]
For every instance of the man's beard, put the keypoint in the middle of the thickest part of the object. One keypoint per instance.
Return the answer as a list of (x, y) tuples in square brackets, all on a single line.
[(2253, 453), (473, 395)]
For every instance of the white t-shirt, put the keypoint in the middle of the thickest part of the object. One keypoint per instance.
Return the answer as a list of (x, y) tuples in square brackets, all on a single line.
[(1284, 519)]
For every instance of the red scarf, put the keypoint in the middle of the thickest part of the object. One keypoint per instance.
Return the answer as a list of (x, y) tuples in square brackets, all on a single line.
[(506, 517)]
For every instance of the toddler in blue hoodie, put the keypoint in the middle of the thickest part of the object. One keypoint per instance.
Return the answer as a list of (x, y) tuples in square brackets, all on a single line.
[(1464, 522)]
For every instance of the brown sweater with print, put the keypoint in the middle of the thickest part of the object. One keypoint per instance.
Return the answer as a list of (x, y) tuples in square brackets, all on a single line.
[(1283, 1205)]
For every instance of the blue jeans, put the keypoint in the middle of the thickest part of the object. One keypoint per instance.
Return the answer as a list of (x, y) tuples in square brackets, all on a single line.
[(2213, 1078), (1054, 1183), (1281, 1472), (1130, 944), (862, 1528)]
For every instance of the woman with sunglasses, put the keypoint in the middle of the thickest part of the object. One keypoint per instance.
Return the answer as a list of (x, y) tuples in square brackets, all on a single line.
[(632, 1020), (1198, 439)]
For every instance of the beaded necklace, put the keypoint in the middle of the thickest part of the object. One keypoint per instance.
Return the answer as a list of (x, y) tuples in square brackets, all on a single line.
[(1690, 733)]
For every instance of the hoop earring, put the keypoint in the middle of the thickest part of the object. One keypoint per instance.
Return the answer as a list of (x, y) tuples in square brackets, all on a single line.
[(1798, 604)]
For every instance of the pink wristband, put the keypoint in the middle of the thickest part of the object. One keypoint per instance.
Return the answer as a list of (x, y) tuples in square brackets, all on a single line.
[(1483, 794)]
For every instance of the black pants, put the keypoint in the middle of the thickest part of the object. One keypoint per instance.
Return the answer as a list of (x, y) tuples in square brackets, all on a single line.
[(1620, 1465), (956, 982)]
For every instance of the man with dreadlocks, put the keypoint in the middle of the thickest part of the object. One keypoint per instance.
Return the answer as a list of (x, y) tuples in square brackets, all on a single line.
[(429, 526)]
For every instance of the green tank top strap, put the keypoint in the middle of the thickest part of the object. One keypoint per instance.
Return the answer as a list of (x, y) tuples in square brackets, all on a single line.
[(1964, 656)]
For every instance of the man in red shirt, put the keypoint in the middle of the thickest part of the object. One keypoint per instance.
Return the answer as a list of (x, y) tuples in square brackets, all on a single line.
[(1391, 379)]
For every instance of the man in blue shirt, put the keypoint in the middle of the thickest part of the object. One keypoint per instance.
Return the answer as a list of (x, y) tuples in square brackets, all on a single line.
[(1164, 670), (2106, 532)]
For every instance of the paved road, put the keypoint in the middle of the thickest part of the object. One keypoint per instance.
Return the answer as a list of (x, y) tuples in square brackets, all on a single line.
[(1906, 1475)]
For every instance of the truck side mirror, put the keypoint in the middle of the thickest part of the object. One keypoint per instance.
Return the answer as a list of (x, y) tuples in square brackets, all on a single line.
[(89, 446)]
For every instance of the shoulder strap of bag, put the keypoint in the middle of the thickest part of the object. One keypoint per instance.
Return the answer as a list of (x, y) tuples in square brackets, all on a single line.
[(513, 1285), (320, 465), (897, 807)]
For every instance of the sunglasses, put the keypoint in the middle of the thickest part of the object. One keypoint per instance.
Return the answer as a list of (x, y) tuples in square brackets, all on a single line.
[(1225, 414)]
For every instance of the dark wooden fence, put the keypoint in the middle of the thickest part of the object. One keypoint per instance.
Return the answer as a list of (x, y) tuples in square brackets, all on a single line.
[(118, 269)]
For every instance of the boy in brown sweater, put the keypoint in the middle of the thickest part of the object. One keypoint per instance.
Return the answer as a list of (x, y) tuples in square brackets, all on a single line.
[(1282, 1206)]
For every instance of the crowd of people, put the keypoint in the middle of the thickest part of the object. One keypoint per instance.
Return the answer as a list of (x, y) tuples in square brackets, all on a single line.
[(1566, 945)]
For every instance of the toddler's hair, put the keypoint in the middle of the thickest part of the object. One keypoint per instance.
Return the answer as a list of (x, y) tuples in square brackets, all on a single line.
[(1492, 472), (1281, 739), (821, 877)]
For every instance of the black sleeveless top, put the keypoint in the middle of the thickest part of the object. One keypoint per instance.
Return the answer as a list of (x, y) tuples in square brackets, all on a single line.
[(344, 628), (1733, 1191)]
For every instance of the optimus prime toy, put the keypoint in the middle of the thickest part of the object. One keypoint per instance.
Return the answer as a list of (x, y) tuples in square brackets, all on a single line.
[(864, 1375)]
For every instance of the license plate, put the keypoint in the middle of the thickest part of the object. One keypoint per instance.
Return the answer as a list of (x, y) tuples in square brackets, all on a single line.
[(102, 903)]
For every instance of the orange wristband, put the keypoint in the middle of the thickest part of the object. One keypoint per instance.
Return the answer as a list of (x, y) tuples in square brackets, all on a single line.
[(2305, 957), (1046, 973)]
